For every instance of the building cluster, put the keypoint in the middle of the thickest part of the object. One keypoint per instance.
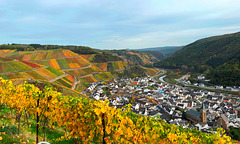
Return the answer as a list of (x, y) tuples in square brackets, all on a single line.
[(201, 80), (175, 104)]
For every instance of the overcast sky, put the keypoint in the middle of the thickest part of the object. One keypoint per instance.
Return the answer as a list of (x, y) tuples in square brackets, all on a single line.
[(116, 24)]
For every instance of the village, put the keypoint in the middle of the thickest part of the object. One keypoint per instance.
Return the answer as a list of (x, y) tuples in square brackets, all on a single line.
[(179, 105)]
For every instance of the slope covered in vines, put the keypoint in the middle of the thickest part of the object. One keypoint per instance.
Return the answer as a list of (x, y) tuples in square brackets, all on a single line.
[(87, 121)]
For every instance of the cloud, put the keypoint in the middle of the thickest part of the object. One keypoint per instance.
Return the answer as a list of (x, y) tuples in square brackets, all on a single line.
[(164, 38), (118, 23)]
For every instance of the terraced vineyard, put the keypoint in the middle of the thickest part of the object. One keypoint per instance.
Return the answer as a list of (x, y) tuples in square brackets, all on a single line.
[(90, 121), (102, 66), (62, 67), (86, 71), (66, 81), (39, 74), (88, 79), (150, 71), (41, 54), (16, 66), (65, 63), (104, 76), (89, 57), (115, 65), (5, 52), (144, 57)]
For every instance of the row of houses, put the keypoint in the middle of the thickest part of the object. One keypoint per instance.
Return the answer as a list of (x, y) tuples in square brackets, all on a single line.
[(174, 104)]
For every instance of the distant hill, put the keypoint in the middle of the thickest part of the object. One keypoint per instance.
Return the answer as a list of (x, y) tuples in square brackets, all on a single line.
[(32, 47), (142, 58), (167, 50), (217, 56)]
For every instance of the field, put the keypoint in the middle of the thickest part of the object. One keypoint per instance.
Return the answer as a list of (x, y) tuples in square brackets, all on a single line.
[(39, 74), (145, 58), (65, 63), (5, 52), (102, 66), (88, 79), (126, 64), (41, 54), (81, 86), (16, 66), (89, 57), (115, 65), (104, 76), (66, 81), (151, 71), (86, 71), (77, 62)]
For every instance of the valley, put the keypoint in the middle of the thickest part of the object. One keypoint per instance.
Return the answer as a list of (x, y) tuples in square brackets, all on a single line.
[(113, 77), (119, 72)]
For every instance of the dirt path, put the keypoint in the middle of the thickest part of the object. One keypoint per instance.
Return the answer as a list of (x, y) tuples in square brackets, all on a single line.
[(77, 68), (76, 81), (56, 78)]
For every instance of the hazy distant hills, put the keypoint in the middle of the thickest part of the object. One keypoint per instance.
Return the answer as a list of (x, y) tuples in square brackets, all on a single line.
[(167, 50), (218, 56)]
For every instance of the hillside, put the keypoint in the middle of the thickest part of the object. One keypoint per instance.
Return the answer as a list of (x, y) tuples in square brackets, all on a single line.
[(166, 51), (30, 114), (32, 47), (143, 58), (210, 55), (64, 67)]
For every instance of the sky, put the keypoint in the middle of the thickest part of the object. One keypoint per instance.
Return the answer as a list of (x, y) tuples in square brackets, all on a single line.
[(116, 24)]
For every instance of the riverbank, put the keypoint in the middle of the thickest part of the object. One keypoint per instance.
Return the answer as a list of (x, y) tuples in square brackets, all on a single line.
[(159, 74)]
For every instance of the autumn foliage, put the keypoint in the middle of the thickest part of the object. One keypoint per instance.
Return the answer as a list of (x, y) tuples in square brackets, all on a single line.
[(87, 121)]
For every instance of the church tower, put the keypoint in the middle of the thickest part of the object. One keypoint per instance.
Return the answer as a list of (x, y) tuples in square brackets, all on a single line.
[(203, 114)]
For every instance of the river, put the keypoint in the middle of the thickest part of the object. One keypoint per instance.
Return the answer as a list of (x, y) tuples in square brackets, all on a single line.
[(161, 78)]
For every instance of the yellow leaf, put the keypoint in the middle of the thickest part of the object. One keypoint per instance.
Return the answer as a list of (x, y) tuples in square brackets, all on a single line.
[(98, 111), (108, 130)]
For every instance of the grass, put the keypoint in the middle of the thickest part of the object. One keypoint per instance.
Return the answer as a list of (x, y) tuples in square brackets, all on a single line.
[(55, 71), (64, 83), (35, 75), (19, 66), (170, 78), (44, 62), (81, 86), (49, 55), (8, 68), (8, 129), (115, 65), (105, 76), (3, 76), (33, 56), (13, 66), (63, 63), (11, 54), (82, 72)]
